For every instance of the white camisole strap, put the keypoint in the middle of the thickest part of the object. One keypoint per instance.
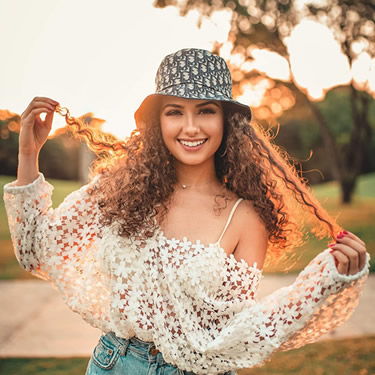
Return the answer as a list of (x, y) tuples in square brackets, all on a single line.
[(229, 219)]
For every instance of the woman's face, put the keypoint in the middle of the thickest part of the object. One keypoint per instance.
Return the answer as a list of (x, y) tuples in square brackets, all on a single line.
[(192, 129)]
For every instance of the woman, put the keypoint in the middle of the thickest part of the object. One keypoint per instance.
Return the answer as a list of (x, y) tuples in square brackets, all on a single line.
[(163, 249)]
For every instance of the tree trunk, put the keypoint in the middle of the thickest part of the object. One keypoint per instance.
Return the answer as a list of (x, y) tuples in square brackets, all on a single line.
[(362, 132), (329, 142), (348, 166), (348, 185)]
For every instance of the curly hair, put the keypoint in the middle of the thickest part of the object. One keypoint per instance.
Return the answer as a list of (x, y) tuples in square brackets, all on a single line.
[(138, 177)]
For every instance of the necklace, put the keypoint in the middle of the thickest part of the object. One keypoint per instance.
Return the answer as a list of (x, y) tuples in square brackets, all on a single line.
[(185, 186)]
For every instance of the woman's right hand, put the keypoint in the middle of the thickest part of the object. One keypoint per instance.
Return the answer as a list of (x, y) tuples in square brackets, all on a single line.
[(34, 131)]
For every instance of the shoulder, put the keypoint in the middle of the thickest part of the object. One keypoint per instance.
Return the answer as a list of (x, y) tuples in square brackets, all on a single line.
[(245, 216), (251, 233)]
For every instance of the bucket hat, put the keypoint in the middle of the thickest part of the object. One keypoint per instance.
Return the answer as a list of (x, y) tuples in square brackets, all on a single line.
[(193, 73)]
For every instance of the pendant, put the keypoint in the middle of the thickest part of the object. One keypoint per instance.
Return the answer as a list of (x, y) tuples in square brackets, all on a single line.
[(184, 186)]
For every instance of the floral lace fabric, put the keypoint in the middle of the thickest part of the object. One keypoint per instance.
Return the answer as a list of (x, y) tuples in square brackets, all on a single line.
[(197, 304)]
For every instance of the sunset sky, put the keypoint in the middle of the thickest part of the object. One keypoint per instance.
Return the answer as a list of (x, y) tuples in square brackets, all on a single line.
[(101, 57)]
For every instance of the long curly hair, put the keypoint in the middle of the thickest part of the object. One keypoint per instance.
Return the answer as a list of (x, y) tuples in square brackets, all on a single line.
[(138, 178)]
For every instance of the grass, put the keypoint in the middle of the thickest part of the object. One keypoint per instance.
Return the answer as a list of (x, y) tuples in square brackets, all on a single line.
[(358, 217), (344, 357), (50, 366)]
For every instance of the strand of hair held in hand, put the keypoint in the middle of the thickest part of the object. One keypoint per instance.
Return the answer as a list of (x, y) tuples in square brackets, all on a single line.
[(97, 141)]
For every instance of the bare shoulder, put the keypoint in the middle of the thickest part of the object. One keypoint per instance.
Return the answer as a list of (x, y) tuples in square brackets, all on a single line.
[(251, 233)]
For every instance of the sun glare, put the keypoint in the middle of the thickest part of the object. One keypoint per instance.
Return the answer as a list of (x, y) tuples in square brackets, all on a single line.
[(95, 56), (253, 93), (316, 60), (271, 63), (363, 71)]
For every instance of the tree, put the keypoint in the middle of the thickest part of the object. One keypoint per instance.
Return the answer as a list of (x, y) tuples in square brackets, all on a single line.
[(267, 24), (59, 158)]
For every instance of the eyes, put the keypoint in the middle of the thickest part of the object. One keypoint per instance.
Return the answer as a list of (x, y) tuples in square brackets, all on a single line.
[(201, 111)]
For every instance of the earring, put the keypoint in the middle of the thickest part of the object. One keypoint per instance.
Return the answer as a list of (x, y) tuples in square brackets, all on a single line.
[(223, 154)]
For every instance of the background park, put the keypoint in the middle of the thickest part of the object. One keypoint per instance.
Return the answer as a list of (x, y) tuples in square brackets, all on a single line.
[(306, 68)]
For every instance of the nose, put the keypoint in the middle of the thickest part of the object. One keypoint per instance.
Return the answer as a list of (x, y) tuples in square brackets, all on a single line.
[(191, 127)]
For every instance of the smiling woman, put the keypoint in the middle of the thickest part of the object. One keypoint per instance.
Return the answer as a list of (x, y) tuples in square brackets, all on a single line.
[(163, 250), (192, 130)]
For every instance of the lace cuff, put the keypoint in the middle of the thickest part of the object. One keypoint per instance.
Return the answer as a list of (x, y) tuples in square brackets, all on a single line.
[(31, 188), (336, 275)]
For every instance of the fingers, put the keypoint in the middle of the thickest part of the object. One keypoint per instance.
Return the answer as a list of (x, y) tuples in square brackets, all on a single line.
[(353, 236), (355, 243), (39, 105), (350, 253), (348, 259), (49, 119), (342, 263), (37, 111)]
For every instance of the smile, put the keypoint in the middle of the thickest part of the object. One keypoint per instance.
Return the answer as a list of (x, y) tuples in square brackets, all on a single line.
[(192, 143)]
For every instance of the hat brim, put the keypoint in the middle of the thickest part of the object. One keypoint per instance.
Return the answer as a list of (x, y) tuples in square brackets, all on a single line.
[(150, 103)]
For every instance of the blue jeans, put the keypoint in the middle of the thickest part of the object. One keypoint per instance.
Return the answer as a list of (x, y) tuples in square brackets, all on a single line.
[(119, 356)]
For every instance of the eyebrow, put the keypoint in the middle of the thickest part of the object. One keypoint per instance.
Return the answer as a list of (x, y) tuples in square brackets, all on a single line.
[(198, 105)]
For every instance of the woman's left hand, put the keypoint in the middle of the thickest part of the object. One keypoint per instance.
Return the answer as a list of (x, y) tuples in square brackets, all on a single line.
[(349, 252)]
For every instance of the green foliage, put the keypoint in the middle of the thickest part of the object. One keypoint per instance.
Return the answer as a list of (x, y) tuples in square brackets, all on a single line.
[(58, 161), (8, 150), (59, 157), (300, 133), (336, 110)]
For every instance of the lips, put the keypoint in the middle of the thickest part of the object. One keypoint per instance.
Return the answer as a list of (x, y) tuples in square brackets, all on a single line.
[(192, 145)]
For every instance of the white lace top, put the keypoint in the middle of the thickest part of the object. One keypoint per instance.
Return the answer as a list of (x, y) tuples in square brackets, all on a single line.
[(197, 304)]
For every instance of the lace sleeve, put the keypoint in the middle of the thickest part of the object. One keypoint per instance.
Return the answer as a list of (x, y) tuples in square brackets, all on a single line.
[(318, 301), (332, 298), (59, 245)]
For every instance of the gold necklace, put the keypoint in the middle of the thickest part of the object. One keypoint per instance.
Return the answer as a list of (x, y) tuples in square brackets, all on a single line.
[(184, 186)]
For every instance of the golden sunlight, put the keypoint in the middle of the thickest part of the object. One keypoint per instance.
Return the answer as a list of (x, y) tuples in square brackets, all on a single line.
[(107, 65), (271, 63), (317, 64), (316, 59), (98, 58)]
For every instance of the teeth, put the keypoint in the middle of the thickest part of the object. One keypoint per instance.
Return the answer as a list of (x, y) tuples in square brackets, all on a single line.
[(192, 144)]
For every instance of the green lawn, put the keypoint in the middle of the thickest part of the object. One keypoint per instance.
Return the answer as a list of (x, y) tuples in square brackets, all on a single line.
[(358, 217), (47, 366), (344, 357)]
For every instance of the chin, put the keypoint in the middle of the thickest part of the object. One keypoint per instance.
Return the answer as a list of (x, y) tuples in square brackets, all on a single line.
[(193, 160)]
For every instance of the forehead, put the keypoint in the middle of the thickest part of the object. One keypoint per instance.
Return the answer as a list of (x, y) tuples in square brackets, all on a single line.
[(175, 100)]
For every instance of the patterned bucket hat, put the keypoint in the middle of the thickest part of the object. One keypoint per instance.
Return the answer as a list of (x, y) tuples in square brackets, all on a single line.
[(193, 74)]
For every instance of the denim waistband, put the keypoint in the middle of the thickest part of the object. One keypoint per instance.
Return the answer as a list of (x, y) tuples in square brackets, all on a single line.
[(142, 348)]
